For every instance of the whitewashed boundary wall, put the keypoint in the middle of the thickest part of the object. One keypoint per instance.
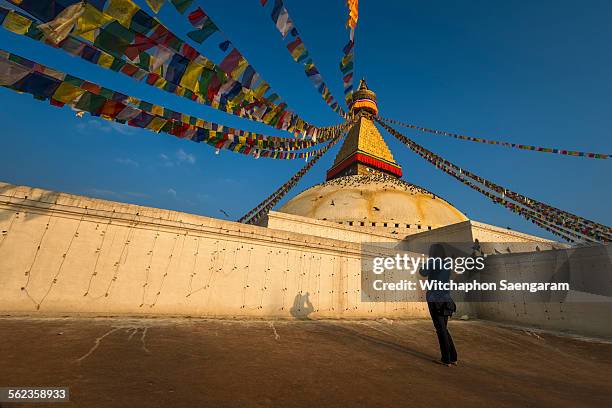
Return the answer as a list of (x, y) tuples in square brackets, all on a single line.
[(65, 254), (585, 309)]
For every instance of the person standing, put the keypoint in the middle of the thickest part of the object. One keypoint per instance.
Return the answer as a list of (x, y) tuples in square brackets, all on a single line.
[(439, 302)]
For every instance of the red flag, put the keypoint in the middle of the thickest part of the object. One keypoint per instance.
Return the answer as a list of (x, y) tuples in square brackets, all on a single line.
[(231, 61)]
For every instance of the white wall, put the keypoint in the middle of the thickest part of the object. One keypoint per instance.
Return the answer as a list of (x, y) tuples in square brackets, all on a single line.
[(65, 254), (69, 254), (586, 309)]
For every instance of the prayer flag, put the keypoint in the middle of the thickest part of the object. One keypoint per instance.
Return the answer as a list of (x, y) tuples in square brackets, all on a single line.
[(110, 109), (191, 76), (122, 11), (197, 17), (224, 45), (205, 27), (231, 61), (11, 72), (37, 84), (248, 78), (348, 47), (67, 93), (90, 20), (128, 113), (161, 57), (296, 48), (17, 23), (203, 33), (239, 70), (59, 28), (176, 69), (156, 124), (284, 22)]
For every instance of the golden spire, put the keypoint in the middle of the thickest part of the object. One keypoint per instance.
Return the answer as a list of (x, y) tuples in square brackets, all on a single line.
[(364, 150), (364, 100)]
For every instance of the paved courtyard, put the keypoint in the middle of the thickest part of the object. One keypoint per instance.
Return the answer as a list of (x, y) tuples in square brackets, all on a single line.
[(199, 363)]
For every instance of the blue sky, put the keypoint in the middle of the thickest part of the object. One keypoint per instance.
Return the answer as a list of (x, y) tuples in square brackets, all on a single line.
[(528, 72)]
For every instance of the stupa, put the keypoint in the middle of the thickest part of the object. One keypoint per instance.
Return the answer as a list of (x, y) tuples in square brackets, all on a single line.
[(364, 186)]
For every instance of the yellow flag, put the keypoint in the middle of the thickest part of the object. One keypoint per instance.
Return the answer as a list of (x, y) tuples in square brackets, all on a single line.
[(157, 110), (156, 124), (160, 83), (239, 70), (268, 116), (90, 20), (105, 60), (249, 95), (16, 23), (346, 59), (67, 93), (191, 76), (261, 89), (122, 11)]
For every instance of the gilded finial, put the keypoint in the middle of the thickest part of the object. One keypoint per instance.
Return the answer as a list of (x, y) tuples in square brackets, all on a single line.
[(364, 100)]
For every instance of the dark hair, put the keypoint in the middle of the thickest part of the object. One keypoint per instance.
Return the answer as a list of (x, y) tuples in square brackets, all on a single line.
[(437, 251)]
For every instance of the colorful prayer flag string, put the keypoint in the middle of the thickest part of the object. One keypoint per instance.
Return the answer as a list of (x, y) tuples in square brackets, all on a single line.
[(500, 143), (527, 207), (234, 64), (296, 47), (559, 217), (61, 89), (347, 63), (113, 33)]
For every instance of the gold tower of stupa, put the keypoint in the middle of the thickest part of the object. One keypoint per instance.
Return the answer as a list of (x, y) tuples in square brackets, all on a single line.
[(364, 151), (363, 187)]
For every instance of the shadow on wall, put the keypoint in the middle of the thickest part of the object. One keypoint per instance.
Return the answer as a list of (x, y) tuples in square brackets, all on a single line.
[(302, 306), (583, 309), (4, 190), (588, 271), (7, 191)]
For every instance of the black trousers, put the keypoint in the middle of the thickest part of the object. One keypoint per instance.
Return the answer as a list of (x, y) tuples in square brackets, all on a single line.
[(447, 347)]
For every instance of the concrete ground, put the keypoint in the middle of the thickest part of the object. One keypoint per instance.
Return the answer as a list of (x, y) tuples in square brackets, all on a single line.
[(199, 363)]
